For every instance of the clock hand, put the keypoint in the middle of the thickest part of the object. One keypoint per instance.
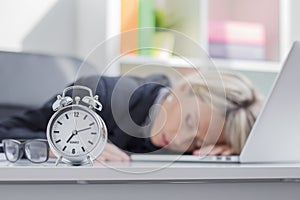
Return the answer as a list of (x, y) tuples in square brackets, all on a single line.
[(73, 134), (84, 129), (75, 122)]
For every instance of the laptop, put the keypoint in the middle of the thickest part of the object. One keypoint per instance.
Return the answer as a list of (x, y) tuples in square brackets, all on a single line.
[(275, 136)]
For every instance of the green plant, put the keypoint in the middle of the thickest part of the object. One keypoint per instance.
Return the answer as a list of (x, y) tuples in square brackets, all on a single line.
[(164, 20)]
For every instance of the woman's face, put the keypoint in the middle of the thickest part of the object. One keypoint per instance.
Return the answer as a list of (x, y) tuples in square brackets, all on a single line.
[(185, 123)]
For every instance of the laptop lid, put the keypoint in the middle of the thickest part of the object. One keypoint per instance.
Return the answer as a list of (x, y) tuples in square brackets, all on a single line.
[(275, 136)]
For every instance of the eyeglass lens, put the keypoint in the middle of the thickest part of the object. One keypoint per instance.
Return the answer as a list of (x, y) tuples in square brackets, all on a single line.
[(12, 150), (36, 151)]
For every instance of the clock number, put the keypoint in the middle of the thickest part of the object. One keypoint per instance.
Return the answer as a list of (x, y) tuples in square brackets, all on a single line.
[(76, 114)]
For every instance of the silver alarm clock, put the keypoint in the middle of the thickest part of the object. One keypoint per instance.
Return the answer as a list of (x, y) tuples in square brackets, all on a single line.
[(76, 133)]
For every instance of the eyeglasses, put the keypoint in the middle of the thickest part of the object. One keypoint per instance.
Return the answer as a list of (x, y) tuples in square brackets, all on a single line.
[(36, 151)]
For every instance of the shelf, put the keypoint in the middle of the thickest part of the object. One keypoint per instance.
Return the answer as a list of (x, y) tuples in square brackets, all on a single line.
[(248, 65), (240, 65), (254, 12), (161, 61)]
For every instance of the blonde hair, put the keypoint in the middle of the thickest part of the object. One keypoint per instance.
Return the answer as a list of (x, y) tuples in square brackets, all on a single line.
[(242, 102)]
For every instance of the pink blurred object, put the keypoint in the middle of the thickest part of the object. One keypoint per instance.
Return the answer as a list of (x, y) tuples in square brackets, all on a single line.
[(236, 51), (235, 32)]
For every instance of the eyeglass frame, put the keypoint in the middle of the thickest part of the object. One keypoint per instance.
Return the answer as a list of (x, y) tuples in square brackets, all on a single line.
[(21, 143)]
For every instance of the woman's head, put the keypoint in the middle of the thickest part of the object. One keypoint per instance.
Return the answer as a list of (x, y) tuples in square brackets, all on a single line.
[(217, 107)]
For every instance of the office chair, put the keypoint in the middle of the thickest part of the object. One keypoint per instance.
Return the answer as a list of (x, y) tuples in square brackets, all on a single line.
[(27, 80)]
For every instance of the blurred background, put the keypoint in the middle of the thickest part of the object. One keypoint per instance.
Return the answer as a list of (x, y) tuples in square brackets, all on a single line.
[(249, 36)]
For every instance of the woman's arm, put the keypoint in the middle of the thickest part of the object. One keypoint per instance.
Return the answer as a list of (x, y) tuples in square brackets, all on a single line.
[(33, 123), (30, 124), (113, 153)]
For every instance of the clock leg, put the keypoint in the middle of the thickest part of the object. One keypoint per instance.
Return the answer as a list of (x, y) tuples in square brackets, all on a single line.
[(90, 160), (58, 160)]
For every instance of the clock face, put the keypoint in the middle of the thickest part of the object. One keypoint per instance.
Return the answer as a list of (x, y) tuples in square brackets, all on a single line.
[(75, 131)]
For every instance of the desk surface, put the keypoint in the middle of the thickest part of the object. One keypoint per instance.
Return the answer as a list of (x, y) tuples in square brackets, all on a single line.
[(147, 171), (151, 181)]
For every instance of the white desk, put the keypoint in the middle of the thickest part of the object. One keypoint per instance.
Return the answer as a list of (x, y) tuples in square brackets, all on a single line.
[(142, 180)]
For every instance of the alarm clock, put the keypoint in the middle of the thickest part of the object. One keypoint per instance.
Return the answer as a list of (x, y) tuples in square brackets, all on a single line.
[(76, 133)]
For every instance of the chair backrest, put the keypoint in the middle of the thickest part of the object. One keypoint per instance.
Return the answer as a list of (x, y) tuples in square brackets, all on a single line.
[(27, 80)]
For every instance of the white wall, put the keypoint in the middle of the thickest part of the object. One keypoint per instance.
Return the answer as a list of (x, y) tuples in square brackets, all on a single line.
[(55, 32), (67, 27), (294, 17), (91, 22), (78, 27), (97, 24), (18, 18)]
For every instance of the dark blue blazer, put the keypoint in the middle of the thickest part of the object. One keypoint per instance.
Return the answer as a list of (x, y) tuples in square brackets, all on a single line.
[(125, 100)]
